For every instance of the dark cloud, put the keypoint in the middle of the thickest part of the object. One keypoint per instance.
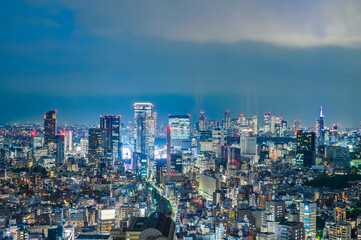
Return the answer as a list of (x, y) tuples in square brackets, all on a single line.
[(88, 57)]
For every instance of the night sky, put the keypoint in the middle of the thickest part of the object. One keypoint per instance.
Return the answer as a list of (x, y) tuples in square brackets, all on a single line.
[(86, 58)]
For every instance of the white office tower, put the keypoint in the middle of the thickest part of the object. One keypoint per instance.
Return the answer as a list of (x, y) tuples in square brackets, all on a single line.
[(180, 133), (253, 124), (308, 217), (84, 143), (145, 122), (38, 141), (68, 141), (249, 147), (220, 231)]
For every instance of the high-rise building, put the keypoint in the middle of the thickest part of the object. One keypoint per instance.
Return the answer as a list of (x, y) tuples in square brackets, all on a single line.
[(283, 128), (180, 133), (111, 124), (49, 126), (306, 148), (68, 141), (202, 124), (253, 124), (248, 145), (145, 122), (84, 143), (267, 122), (308, 217), (96, 146), (321, 128), (56, 148), (226, 122)]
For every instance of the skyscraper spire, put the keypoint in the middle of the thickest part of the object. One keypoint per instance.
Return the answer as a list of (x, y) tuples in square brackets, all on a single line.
[(321, 113)]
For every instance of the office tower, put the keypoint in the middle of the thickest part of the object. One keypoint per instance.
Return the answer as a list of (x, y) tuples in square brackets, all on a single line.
[(220, 231), (283, 128), (339, 231), (38, 140), (308, 217), (290, 230), (253, 124), (320, 126), (49, 126), (339, 212), (202, 124), (111, 124), (267, 122), (84, 146), (242, 121), (140, 164), (96, 146), (226, 122), (68, 141), (208, 184), (56, 148), (180, 133), (306, 148), (275, 124), (248, 145), (297, 127), (218, 136), (277, 208), (145, 122)]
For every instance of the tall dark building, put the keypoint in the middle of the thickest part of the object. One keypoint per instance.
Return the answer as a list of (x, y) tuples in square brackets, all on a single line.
[(49, 126), (111, 124), (306, 148), (97, 142)]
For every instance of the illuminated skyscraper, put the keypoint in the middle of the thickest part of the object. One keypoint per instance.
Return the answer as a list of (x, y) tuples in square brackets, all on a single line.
[(321, 128), (226, 122), (111, 124), (202, 124), (308, 217), (253, 124), (180, 133), (283, 128), (145, 122), (68, 141), (96, 146), (49, 126), (267, 122)]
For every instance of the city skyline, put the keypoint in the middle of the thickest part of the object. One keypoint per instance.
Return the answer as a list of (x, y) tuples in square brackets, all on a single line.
[(180, 120), (163, 119)]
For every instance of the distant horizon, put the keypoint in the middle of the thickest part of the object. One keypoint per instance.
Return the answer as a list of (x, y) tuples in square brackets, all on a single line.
[(163, 118)]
